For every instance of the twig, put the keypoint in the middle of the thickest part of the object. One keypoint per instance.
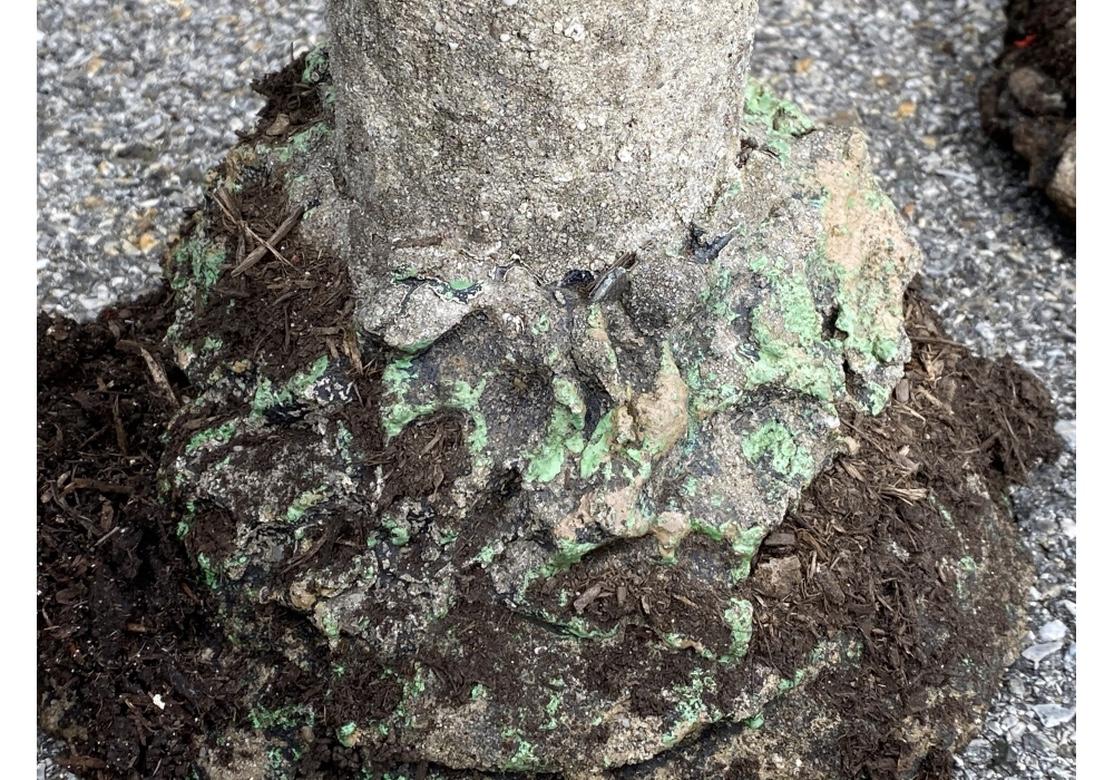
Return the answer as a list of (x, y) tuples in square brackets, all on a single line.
[(233, 213), (82, 483), (105, 538), (280, 233), (154, 366)]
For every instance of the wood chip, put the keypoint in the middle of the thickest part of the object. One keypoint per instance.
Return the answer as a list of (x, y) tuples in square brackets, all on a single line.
[(158, 373), (587, 597)]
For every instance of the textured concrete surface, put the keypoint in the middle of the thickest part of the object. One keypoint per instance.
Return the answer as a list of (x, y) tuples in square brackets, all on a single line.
[(138, 98)]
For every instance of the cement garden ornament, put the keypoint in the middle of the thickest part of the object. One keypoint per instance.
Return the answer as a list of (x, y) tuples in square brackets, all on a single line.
[(512, 336)]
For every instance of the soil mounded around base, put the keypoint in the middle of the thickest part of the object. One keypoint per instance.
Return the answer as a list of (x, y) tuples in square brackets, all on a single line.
[(138, 676)]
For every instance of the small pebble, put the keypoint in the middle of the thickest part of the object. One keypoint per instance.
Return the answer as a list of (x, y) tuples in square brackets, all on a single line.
[(1038, 652), (1053, 631), (1053, 714), (979, 752)]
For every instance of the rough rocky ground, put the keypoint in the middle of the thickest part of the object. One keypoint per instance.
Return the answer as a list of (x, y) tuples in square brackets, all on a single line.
[(138, 98)]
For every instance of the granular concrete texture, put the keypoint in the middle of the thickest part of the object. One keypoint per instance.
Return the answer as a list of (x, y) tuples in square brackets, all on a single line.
[(138, 98)]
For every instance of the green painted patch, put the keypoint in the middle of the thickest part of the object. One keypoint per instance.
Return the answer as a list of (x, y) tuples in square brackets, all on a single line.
[(524, 757), (208, 571), (397, 413), (789, 683), (287, 717), (787, 331), (568, 554), (221, 434), (398, 530), (691, 708), (564, 433), (299, 144), (598, 448), (745, 544), (197, 260), (317, 65), (579, 628), (467, 399), (713, 532), (968, 571), (304, 502), (739, 617), (297, 387), (487, 554), (551, 708), (346, 734), (781, 119), (398, 410), (776, 442)]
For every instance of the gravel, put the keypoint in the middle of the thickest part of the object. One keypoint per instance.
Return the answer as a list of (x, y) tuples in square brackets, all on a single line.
[(137, 99)]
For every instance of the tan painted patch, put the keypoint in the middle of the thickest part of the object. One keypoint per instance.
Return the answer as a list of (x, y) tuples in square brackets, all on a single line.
[(662, 416)]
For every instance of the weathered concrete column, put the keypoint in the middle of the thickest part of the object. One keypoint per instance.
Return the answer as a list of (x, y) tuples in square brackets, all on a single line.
[(559, 131)]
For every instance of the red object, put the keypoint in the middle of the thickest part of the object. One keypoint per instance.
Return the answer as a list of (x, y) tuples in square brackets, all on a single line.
[(1026, 42)]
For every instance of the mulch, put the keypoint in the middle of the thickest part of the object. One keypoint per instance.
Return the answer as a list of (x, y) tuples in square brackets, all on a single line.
[(138, 672)]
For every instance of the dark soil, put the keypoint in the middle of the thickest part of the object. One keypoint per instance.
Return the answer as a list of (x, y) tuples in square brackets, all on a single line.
[(287, 308), (1028, 104), (141, 664), (123, 617), (954, 413)]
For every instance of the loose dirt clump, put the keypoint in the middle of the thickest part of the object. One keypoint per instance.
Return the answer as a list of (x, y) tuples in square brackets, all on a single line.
[(131, 668), (829, 569), (1028, 103)]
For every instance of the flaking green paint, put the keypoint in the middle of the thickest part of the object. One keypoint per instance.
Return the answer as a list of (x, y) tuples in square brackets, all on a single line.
[(299, 144), (207, 571), (398, 412), (286, 717), (781, 119), (691, 708), (487, 554), (346, 734), (551, 708), (745, 545), (739, 617), (317, 65), (398, 530), (304, 502), (197, 260), (787, 331), (467, 399), (524, 758), (598, 449)]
